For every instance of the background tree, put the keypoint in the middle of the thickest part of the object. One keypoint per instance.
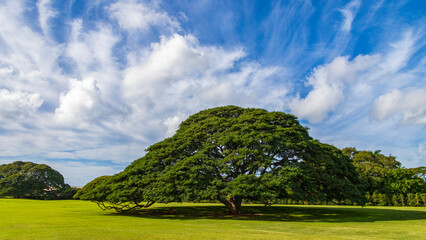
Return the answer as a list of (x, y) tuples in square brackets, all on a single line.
[(420, 171), (228, 154), (384, 174), (30, 180), (403, 181)]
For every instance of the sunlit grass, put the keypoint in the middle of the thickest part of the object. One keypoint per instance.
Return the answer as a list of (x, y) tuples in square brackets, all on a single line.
[(28, 219)]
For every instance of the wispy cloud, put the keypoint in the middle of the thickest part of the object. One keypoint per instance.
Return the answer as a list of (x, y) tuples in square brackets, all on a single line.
[(27, 59), (349, 13), (329, 86), (18, 103), (401, 52), (134, 15), (46, 13)]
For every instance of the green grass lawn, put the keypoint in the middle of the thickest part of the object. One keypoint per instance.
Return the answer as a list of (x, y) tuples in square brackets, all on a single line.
[(30, 219)]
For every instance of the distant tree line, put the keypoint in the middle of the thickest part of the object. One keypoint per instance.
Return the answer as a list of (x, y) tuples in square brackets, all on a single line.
[(375, 199), (386, 182)]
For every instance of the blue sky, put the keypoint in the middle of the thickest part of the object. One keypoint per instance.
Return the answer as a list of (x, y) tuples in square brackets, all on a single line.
[(86, 86)]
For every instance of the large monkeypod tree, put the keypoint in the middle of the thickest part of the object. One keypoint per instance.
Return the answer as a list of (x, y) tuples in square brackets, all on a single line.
[(90, 186), (228, 154)]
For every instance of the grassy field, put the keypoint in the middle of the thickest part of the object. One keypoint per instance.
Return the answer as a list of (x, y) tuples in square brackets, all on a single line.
[(30, 219)]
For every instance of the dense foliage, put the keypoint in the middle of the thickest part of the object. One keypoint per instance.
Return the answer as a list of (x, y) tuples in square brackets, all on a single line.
[(34, 181), (228, 154), (90, 186), (420, 171), (386, 181)]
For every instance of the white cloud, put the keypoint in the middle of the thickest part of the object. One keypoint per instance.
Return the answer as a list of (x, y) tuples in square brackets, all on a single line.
[(172, 59), (329, 83), (4, 72), (91, 50), (387, 104), (15, 104), (218, 93), (318, 103), (82, 104), (179, 75), (172, 123), (349, 13), (411, 104), (132, 15), (253, 85), (355, 82), (92, 54)]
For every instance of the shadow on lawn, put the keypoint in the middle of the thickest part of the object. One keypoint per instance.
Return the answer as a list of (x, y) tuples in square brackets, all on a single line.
[(280, 213)]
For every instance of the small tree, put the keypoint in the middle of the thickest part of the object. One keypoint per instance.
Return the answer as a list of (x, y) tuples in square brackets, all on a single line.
[(228, 154)]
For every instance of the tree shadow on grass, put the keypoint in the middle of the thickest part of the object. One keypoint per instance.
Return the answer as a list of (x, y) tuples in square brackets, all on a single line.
[(280, 213)]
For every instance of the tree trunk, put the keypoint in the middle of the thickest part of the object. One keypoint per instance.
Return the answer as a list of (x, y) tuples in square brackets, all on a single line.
[(233, 204)]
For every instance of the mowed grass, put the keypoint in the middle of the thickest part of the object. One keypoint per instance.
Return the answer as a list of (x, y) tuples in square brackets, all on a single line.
[(30, 219)]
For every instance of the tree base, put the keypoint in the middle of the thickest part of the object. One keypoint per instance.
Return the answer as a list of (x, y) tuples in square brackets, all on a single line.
[(233, 204)]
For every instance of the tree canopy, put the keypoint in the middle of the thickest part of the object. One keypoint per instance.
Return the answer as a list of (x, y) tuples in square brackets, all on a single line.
[(90, 186), (384, 174), (228, 154), (420, 171), (31, 180)]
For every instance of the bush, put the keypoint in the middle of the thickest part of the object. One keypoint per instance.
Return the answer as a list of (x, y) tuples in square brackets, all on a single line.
[(395, 200), (382, 199)]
